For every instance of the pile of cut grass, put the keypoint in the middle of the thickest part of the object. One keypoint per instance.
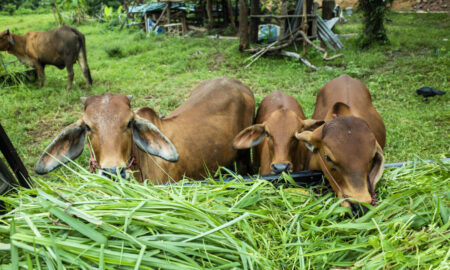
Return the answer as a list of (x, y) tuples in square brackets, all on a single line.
[(85, 221)]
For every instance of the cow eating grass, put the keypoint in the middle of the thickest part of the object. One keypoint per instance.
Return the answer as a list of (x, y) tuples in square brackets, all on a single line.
[(348, 148), (60, 47), (278, 119), (196, 136)]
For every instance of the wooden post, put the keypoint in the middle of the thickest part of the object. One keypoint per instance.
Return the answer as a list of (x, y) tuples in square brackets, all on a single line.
[(284, 12), (243, 25), (304, 25), (168, 12), (314, 20), (209, 13), (146, 22), (254, 22), (13, 159), (327, 9)]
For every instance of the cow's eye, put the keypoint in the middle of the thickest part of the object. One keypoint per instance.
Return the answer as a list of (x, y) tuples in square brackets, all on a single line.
[(130, 124), (328, 158), (88, 128)]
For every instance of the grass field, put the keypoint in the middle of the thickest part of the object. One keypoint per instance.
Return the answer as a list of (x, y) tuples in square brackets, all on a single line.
[(267, 227)]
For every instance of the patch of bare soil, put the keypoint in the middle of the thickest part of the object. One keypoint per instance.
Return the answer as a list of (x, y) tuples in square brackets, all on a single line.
[(432, 5), (403, 5), (217, 62)]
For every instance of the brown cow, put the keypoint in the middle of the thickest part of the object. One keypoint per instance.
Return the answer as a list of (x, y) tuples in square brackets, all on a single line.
[(197, 135), (349, 145), (60, 47), (278, 119)]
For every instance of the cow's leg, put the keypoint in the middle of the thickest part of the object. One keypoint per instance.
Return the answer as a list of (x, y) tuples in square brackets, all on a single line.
[(85, 68), (70, 75), (40, 71)]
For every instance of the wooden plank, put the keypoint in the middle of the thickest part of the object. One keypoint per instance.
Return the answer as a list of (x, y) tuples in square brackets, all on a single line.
[(13, 159)]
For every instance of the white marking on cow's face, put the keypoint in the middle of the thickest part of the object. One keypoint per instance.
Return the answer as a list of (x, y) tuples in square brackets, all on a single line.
[(25, 60), (105, 99)]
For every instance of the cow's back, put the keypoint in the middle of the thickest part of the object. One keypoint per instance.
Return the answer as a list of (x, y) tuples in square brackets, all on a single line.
[(355, 94), (275, 101), (202, 129), (55, 46)]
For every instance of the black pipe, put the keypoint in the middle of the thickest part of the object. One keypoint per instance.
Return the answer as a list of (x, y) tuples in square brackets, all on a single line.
[(400, 164)]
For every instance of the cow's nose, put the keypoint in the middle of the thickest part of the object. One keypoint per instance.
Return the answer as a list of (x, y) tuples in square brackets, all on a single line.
[(358, 210), (107, 172), (280, 167)]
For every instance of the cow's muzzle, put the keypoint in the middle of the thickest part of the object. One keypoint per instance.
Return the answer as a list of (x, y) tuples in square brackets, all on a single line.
[(280, 167), (114, 171), (358, 210)]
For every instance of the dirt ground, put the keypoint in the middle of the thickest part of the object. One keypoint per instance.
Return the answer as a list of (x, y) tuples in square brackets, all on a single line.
[(406, 5)]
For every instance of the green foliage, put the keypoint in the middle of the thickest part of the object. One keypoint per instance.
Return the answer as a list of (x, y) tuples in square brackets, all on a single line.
[(114, 51), (9, 8), (374, 13), (94, 6)]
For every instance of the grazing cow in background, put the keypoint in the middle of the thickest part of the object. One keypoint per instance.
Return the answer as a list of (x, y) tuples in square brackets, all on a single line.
[(348, 148), (196, 136), (60, 47), (278, 119)]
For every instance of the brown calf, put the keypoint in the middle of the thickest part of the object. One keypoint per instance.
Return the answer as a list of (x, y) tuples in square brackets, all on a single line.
[(278, 119), (348, 147), (60, 47), (194, 137)]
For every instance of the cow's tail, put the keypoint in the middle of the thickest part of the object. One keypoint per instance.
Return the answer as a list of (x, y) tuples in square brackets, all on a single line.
[(82, 56)]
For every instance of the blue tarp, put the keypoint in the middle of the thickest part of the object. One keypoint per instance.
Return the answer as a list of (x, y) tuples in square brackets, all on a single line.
[(160, 6)]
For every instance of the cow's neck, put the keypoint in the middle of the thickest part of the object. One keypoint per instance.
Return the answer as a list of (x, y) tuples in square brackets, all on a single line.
[(312, 161), (152, 167), (18, 49)]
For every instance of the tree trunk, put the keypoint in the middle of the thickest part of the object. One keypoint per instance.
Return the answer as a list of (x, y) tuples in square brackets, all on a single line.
[(224, 13), (254, 22), (283, 21), (243, 25), (327, 9), (230, 14), (209, 13)]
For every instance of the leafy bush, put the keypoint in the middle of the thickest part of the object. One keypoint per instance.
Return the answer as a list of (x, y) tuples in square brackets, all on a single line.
[(374, 12), (10, 8), (114, 51)]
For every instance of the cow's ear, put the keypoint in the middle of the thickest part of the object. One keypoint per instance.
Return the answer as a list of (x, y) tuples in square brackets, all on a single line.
[(249, 137), (311, 139), (338, 109), (10, 38), (68, 145), (377, 168), (152, 141), (311, 124)]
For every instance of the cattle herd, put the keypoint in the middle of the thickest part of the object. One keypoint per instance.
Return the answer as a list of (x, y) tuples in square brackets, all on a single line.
[(214, 127)]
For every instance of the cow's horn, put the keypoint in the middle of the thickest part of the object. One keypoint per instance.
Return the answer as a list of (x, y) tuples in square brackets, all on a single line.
[(83, 100), (129, 97)]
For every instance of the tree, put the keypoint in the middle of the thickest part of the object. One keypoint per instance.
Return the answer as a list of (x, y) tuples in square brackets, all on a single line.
[(374, 12)]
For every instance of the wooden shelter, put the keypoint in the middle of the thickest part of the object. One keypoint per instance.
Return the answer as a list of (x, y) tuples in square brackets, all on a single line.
[(168, 14), (297, 26)]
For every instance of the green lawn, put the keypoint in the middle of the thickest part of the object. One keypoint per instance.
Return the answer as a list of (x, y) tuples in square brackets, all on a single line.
[(159, 72)]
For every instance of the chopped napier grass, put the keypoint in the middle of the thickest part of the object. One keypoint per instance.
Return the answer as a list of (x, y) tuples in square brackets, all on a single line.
[(85, 221)]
